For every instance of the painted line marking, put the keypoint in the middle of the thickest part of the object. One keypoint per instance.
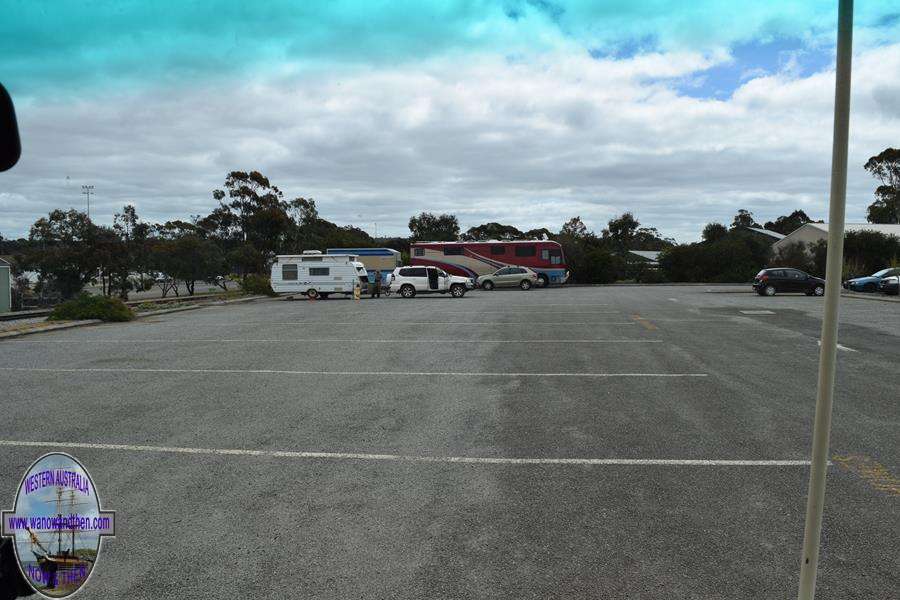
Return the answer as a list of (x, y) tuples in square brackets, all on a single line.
[(361, 456), (348, 373), (668, 320), (530, 312), (839, 347), (331, 340), (541, 305), (644, 322), (673, 299), (397, 323), (757, 312)]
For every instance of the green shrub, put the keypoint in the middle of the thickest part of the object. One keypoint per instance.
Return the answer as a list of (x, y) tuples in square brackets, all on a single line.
[(651, 276), (256, 284), (85, 306)]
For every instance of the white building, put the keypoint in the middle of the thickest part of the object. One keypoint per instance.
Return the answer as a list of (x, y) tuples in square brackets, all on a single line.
[(813, 232), (5, 286), (773, 235), (650, 257)]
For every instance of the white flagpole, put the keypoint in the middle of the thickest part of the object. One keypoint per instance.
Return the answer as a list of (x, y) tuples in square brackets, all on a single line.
[(828, 353)]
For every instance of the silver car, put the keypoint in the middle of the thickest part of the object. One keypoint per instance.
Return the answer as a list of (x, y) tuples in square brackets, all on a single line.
[(521, 277)]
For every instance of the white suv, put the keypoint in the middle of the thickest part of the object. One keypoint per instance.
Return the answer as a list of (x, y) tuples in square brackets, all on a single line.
[(409, 281)]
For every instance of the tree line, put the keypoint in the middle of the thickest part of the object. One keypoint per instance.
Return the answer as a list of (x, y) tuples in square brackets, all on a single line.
[(736, 254), (250, 224), (253, 221)]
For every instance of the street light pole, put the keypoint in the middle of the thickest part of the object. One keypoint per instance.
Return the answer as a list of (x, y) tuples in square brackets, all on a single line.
[(87, 190), (828, 354)]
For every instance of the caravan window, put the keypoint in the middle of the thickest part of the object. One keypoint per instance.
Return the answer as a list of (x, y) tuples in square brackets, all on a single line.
[(289, 272), (318, 271), (311, 259)]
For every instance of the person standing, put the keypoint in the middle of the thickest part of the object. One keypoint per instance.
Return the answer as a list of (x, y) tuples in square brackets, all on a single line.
[(376, 285)]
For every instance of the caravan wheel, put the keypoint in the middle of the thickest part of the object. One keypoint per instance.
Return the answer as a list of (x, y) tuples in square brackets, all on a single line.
[(312, 293)]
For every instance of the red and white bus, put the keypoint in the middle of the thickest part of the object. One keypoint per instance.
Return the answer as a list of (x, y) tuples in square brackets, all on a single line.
[(471, 259)]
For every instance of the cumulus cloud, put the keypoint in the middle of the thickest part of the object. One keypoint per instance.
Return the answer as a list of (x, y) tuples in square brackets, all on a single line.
[(527, 142), (61, 47)]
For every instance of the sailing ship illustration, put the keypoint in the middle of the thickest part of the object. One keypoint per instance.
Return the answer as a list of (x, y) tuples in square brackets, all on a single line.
[(68, 566)]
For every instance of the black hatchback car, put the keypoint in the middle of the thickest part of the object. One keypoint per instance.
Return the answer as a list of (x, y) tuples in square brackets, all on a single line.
[(768, 282)]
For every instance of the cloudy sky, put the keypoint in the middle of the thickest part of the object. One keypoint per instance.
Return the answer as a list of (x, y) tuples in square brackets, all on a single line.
[(525, 112)]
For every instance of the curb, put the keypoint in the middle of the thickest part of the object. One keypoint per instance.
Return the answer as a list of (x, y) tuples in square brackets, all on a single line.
[(165, 311), (54, 327), (670, 284), (876, 298), (74, 324), (239, 300)]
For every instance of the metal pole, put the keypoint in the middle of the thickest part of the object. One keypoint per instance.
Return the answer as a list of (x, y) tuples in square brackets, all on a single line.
[(828, 353), (87, 190)]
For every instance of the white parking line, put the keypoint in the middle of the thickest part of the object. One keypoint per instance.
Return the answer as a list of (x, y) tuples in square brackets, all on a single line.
[(329, 340), (542, 304), (345, 373), (530, 312), (396, 323), (668, 320), (840, 347), (362, 456)]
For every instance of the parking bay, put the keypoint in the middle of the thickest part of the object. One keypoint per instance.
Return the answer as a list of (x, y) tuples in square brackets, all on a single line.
[(581, 377)]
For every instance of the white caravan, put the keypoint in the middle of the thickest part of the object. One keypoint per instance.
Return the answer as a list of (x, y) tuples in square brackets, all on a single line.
[(318, 275)]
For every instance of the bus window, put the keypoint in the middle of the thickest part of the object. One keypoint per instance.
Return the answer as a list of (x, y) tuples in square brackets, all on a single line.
[(453, 250), (498, 249), (555, 256), (418, 251), (523, 250)]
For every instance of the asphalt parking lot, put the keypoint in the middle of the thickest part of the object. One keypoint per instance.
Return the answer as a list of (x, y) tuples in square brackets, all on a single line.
[(596, 442)]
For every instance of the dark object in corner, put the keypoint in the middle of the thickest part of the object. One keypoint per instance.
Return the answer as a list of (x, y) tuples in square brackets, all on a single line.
[(12, 584), (10, 146)]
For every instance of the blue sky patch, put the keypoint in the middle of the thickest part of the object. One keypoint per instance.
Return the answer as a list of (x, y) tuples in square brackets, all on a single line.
[(757, 59)]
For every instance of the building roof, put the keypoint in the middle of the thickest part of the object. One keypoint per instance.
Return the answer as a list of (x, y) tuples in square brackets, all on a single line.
[(822, 230), (651, 255), (488, 242), (885, 228), (768, 232), (364, 251)]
